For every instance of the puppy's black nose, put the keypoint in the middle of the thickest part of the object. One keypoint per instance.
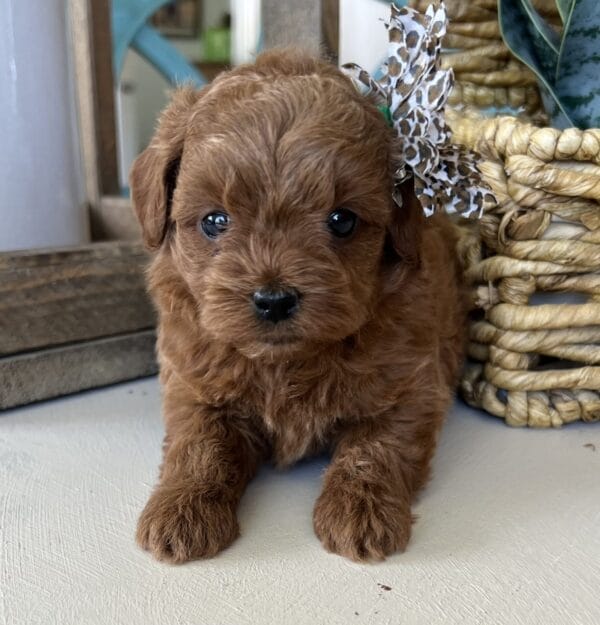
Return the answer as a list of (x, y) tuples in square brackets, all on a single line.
[(275, 305)]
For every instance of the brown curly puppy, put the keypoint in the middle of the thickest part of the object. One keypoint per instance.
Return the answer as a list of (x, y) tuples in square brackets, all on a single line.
[(300, 308)]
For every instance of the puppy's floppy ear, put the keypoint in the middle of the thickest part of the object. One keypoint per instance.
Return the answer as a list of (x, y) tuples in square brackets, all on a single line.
[(154, 173), (405, 229)]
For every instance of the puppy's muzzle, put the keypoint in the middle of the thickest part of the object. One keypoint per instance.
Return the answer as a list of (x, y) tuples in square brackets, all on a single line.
[(276, 305)]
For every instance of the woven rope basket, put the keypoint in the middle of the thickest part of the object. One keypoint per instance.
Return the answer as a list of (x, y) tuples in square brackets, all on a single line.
[(534, 267), (486, 73)]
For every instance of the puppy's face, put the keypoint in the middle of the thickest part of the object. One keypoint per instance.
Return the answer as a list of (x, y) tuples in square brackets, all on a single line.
[(275, 200)]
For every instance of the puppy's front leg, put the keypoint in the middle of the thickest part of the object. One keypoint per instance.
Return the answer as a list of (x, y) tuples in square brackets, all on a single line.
[(209, 457), (363, 512)]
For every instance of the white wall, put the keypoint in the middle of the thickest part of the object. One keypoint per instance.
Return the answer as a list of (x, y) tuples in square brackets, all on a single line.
[(41, 188), (363, 38)]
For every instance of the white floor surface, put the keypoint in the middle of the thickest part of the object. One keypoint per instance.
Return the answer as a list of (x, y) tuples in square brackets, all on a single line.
[(508, 530)]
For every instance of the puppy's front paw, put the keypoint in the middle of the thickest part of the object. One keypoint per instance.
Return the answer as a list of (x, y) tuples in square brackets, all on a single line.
[(180, 524), (360, 524)]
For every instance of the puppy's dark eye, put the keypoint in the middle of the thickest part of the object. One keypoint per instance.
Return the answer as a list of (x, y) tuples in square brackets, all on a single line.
[(214, 224), (342, 222)]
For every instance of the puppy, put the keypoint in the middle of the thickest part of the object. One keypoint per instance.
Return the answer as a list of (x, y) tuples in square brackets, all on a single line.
[(300, 307)]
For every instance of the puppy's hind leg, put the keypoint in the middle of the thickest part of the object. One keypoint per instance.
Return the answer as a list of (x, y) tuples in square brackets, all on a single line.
[(364, 510), (209, 458)]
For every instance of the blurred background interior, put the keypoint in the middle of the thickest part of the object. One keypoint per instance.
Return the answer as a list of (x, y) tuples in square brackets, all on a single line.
[(84, 82), (82, 85)]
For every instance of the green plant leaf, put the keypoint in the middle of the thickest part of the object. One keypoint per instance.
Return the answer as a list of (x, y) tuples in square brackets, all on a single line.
[(531, 47), (578, 70), (558, 117), (564, 8), (528, 36), (541, 31)]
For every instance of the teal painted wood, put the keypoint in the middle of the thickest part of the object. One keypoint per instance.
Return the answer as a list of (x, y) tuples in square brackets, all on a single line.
[(130, 29), (127, 17), (166, 58)]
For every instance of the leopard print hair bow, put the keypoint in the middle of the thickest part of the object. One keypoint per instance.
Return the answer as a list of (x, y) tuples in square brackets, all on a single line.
[(412, 94)]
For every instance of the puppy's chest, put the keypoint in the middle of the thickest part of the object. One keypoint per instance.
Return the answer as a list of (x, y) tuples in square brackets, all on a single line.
[(298, 410), (295, 406)]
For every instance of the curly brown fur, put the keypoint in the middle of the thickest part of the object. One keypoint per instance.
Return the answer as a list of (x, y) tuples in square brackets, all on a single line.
[(367, 365)]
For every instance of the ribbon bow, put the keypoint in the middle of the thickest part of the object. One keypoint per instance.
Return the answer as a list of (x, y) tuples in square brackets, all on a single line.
[(412, 94)]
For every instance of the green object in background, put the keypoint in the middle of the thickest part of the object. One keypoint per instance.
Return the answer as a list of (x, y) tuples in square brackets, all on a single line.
[(217, 44), (567, 64)]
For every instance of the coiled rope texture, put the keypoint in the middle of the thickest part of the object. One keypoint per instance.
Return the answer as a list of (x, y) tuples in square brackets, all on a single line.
[(534, 265)]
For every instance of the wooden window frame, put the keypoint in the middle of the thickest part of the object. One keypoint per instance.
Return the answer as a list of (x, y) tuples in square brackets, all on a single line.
[(78, 318)]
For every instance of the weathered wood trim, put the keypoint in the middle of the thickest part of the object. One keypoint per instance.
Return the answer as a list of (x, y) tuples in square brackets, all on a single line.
[(106, 126), (53, 297), (114, 220), (79, 22), (72, 319), (70, 368), (330, 20), (92, 53)]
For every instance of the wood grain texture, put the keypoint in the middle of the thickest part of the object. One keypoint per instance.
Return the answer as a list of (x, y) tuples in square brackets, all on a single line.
[(106, 130), (113, 219), (83, 68), (62, 370), (89, 22), (330, 19), (62, 296)]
